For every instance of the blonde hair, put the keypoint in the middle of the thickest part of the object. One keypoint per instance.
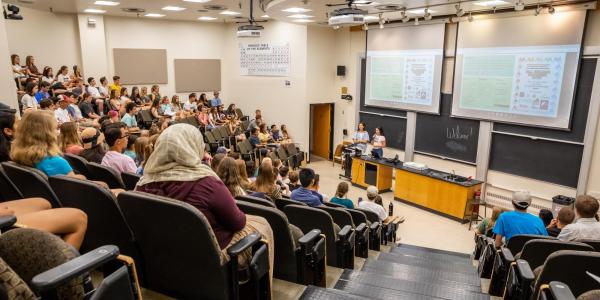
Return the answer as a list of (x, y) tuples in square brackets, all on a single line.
[(139, 147), (35, 138), (69, 135), (241, 165), (149, 148)]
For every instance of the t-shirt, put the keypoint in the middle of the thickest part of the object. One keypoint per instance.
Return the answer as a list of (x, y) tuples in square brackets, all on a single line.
[(54, 165), (47, 79), (86, 109), (215, 102), (582, 229), (75, 111), (92, 90), (62, 78), (511, 223), (306, 196), (120, 162), (114, 87), (103, 91), (62, 115), (254, 141), (374, 207), (361, 136), (129, 120), (378, 139), (342, 201), (28, 101), (39, 96)]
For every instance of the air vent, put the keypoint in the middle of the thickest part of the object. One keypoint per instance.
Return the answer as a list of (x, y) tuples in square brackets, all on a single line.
[(27, 1), (215, 7), (202, 10), (388, 7), (133, 10)]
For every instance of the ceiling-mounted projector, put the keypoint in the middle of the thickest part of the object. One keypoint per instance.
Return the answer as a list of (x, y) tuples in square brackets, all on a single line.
[(347, 16), (250, 30)]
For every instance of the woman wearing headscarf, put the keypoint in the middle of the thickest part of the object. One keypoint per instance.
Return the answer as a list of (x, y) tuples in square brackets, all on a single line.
[(175, 170)]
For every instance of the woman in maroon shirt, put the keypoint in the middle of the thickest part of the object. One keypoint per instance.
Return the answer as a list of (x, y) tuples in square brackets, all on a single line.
[(175, 170)]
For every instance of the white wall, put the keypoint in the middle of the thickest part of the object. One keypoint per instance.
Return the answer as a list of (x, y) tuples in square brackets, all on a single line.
[(8, 86), (53, 39), (93, 46)]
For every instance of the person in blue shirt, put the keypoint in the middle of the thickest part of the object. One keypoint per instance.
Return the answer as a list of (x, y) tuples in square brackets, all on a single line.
[(340, 196), (361, 138), (305, 193), (516, 222), (216, 101), (256, 144), (129, 116), (42, 93)]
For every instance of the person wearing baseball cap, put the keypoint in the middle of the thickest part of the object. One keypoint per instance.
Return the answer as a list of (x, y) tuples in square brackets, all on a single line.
[(516, 222), (369, 204)]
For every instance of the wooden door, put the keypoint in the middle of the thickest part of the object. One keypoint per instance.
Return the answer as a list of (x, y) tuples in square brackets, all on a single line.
[(321, 129)]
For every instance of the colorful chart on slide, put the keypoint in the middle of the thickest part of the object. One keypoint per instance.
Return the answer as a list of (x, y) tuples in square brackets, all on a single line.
[(402, 78), (516, 83)]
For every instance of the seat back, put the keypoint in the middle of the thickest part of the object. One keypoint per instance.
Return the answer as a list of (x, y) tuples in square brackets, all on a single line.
[(516, 243), (338, 150), (239, 113), (339, 215), (285, 250), (536, 251), (282, 154), (210, 137), (115, 286), (371, 216), (106, 223), (282, 202), (130, 180), (245, 125), (594, 243), (309, 218), (223, 131), (291, 149), (31, 182), (78, 163), (8, 190), (570, 267), (256, 200), (105, 174), (182, 265), (329, 204), (357, 216), (216, 133)]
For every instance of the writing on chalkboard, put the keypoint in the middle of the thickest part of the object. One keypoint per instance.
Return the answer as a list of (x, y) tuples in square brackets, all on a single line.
[(459, 134)]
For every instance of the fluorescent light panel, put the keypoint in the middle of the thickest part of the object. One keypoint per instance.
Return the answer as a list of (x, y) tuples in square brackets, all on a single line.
[(296, 10), (303, 21), (300, 16), (205, 18), (420, 11), (371, 18), (230, 13), (107, 3), (94, 11), (264, 16), (153, 15), (491, 3), (197, 1), (173, 8)]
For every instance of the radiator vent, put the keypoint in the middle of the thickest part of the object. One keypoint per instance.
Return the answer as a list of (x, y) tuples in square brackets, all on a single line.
[(503, 198)]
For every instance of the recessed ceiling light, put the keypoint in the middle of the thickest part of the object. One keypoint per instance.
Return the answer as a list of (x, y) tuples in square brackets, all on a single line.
[(107, 3), (491, 3), (304, 21), (94, 11), (264, 16), (419, 11), (197, 1), (230, 13), (206, 18), (296, 10), (300, 16), (153, 15), (371, 18), (173, 8)]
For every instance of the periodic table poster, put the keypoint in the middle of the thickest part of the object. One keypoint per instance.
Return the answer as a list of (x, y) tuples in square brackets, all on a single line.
[(265, 59)]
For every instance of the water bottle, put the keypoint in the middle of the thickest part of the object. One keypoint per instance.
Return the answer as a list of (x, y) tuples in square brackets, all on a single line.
[(391, 209)]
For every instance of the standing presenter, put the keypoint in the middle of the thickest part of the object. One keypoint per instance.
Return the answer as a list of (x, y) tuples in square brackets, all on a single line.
[(361, 138)]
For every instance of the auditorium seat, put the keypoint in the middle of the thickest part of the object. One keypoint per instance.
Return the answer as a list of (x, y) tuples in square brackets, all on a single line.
[(594, 243), (146, 118), (211, 141), (298, 156), (557, 290), (59, 272), (376, 229), (130, 180), (8, 190), (256, 200), (532, 256), (283, 202), (105, 174), (361, 231), (340, 245), (246, 151), (31, 182), (78, 163), (184, 258), (301, 261)]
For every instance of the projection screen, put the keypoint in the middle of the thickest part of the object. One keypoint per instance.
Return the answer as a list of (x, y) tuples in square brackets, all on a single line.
[(404, 67), (518, 69)]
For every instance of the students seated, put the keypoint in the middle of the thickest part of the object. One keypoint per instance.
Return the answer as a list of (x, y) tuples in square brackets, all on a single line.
[(62, 113), (216, 101), (130, 149), (229, 173), (306, 193), (369, 204), (93, 145), (515, 222), (546, 216), (245, 182), (264, 186), (565, 217), (28, 100), (586, 225), (340, 196), (117, 138), (70, 142), (129, 117), (175, 169), (294, 181), (487, 224)]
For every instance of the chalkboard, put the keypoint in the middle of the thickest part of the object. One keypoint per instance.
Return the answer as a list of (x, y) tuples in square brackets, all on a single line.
[(544, 160), (583, 92), (374, 109), (447, 136), (394, 128)]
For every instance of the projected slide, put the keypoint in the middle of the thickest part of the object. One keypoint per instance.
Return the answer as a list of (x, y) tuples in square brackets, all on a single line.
[(514, 80)]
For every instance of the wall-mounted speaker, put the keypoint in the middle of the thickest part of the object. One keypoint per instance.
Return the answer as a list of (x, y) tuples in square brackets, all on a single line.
[(341, 70)]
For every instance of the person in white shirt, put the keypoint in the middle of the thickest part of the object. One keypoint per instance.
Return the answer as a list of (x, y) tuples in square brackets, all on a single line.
[(369, 204), (28, 100), (378, 142), (63, 76), (48, 76), (103, 88), (62, 113), (98, 97), (586, 225)]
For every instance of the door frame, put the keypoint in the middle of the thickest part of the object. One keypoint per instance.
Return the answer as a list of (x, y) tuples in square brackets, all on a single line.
[(331, 127)]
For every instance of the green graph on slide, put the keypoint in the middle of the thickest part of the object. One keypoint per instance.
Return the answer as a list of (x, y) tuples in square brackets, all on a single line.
[(387, 79), (487, 82)]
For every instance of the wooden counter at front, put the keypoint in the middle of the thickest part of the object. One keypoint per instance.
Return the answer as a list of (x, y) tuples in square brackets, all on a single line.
[(365, 173), (434, 194)]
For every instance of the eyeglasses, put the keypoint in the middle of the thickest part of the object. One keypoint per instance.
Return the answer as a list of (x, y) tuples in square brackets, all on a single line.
[(125, 136)]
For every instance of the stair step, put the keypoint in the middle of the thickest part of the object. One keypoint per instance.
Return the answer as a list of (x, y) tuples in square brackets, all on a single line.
[(318, 293), (403, 271), (446, 265), (432, 258), (411, 287), (408, 247), (389, 282), (365, 291), (432, 253)]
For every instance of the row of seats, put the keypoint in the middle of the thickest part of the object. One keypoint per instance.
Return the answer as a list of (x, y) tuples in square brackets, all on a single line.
[(527, 264)]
